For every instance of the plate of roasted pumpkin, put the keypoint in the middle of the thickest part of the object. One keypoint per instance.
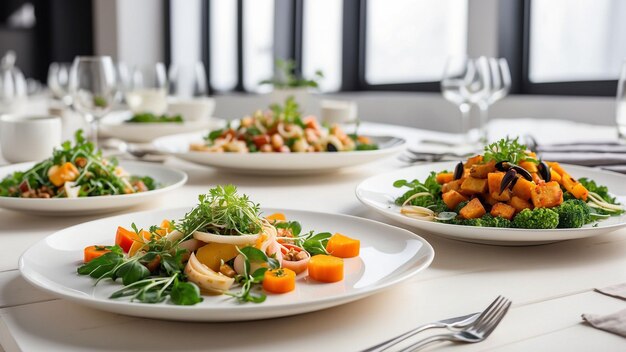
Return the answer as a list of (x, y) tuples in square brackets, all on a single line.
[(506, 195)]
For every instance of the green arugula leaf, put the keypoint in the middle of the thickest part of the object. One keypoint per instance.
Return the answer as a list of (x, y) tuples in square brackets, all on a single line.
[(185, 293), (132, 271)]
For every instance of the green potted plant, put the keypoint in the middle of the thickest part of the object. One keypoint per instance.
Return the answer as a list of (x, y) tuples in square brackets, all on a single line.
[(286, 83)]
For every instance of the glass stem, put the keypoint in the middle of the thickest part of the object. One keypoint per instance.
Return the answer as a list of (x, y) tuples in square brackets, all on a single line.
[(93, 130), (484, 119), (465, 109)]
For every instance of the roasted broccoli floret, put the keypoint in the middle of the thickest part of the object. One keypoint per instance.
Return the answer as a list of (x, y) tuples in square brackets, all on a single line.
[(573, 213), (486, 220), (460, 206), (538, 218)]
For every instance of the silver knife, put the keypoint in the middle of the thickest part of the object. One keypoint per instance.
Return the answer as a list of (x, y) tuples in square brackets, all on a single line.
[(453, 324)]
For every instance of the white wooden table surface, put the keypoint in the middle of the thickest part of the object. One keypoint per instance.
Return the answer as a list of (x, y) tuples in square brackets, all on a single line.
[(550, 285)]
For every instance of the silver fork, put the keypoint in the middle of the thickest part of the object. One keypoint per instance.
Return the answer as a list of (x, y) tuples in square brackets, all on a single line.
[(476, 332), (453, 324)]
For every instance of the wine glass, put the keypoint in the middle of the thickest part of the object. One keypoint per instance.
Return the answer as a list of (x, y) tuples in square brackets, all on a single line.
[(500, 83), (59, 81), (13, 89), (123, 81), (457, 75), (188, 80), (148, 92), (93, 89)]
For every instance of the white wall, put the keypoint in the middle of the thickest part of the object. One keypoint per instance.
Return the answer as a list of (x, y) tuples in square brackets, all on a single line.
[(131, 31)]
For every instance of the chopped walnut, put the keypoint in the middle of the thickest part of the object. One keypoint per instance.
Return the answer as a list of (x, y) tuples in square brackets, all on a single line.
[(227, 270), (42, 192), (140, 186), (293, 255), (80, 161)]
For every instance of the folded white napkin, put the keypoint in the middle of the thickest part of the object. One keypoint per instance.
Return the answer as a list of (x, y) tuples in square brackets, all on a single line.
[(617, 291), (616, 322)]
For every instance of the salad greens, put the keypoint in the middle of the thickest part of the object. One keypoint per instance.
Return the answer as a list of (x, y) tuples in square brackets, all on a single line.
[(77, 170), (155, 265), (430, 189), (152, 118)]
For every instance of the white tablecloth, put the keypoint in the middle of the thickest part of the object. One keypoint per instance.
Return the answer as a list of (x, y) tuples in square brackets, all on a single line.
[(550, 285)]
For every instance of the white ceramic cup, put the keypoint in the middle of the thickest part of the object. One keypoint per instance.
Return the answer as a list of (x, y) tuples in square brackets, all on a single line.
[(191, 109), (338, 111), (29, 138)]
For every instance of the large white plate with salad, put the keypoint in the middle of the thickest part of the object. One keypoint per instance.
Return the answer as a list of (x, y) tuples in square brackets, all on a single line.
[(280, 141), (381, 262), (144, 128), (575, 202), (77, 180), (276, 163)]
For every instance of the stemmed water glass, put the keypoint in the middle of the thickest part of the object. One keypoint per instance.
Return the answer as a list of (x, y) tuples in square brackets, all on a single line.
[(93, 89), (465, 82), (500, 85), (59, 81), (188, 80), (148, 89), (122, 80)]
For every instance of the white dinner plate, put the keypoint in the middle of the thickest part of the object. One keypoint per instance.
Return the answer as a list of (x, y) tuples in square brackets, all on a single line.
[(388, 256), (378, 193), (276, 163), (113, 125), (169, 179)]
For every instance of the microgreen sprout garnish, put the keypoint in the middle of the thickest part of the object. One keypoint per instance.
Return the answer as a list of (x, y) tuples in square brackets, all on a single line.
[(224, 211), (507, 149)]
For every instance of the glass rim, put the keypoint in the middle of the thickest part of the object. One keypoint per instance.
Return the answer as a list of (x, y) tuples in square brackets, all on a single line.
[(92, 58)]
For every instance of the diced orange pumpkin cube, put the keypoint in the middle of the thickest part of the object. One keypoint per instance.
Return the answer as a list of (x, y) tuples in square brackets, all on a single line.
[(488, 199), (523, 188), (529, 166), (444, 177), (505, 196), (451, 186), (473, 160), (547, 195), (474, 209), (494, 180), (503, 210), (482, 170), (453, 198), (555, 176), (519, 204), (474, 185)]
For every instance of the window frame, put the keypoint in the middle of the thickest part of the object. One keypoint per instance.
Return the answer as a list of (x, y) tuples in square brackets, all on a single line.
[(514, 10), (513, 44), (354, 50)]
